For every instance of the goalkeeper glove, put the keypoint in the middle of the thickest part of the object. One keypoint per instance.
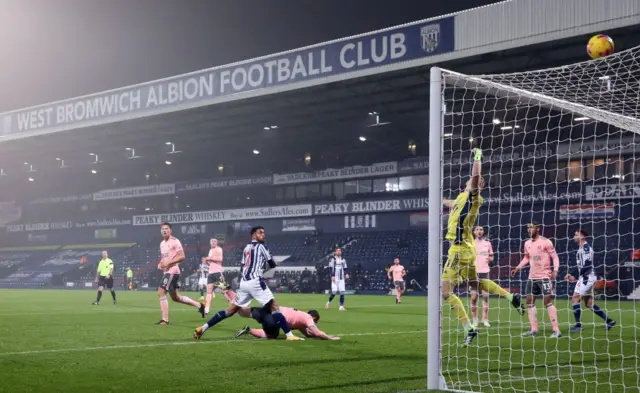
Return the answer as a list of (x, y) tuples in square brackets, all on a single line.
[(477, 154)]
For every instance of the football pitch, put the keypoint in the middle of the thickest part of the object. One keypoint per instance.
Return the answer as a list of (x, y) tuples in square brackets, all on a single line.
[(56, 341)]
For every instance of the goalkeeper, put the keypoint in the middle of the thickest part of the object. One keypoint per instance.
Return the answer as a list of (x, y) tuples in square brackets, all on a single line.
[(461, 261)]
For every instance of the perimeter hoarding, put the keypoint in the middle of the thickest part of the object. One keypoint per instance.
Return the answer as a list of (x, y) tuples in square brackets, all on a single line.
[(205, 87)]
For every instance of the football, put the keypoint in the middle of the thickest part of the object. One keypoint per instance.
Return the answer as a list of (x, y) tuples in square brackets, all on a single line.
[(600, 46)]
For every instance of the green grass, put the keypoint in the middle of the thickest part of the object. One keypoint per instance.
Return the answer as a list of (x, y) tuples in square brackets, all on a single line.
[(55, 341)]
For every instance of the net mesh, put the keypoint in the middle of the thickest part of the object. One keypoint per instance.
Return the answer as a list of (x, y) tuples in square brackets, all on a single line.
[(559, 149)]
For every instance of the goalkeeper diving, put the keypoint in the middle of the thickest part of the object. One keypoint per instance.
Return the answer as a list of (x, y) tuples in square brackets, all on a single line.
[(461, 260)]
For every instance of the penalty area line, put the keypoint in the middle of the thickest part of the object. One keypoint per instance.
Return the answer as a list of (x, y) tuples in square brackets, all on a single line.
[(180, 343)]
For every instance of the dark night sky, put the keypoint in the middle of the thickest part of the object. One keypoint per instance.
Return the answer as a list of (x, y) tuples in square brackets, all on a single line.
[(55, 49)]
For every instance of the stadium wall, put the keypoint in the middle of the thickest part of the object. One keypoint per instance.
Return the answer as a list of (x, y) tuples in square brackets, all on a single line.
[(512, 24)]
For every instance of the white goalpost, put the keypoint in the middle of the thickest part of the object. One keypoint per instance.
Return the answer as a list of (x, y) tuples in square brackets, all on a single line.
[(559, 149)]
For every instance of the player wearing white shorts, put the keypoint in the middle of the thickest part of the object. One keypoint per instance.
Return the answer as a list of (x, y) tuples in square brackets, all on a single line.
[(339, 273), (203, 272), (256, 260), (586, 279)]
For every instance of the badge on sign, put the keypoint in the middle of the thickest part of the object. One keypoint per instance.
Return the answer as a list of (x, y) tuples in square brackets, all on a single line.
[(430, 37)]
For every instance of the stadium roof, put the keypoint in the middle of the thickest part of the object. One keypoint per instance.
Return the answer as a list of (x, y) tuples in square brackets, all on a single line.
[(325, 120)]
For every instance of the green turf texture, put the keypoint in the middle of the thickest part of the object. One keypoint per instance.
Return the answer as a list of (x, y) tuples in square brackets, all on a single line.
[(56, 341)]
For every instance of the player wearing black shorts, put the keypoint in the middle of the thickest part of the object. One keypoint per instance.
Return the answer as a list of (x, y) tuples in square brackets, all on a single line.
[(104, 277)]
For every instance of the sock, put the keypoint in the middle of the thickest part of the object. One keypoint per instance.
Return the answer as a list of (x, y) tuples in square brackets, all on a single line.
[(474, 309), (331, 297), (113, 295), (99, 297), (341, 300), (398, 296), (216, 319), (201, 292), (533, 317), (187, 300), (458, 308), (281, 322), (485, 309), (577, 314), (258, 333), (553, 316), (600, 312), (208, 303), (164, 306), (495, 289)]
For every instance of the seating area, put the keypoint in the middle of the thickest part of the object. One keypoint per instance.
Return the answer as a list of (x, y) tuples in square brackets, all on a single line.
[(369, 252), (20, 269)]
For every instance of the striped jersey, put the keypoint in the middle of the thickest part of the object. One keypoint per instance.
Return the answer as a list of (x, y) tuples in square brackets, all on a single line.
[(338, 267), (204, 270), (584, 259), (255, 261)]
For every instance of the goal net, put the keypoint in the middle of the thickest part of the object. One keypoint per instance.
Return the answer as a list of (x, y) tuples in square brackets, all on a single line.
[(559, 149)]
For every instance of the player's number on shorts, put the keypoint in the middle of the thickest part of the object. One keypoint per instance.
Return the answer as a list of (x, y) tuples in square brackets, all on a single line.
[(165, 281), (546, 286)]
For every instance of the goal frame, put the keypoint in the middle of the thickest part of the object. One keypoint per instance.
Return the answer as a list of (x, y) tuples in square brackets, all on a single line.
[(435, 379)]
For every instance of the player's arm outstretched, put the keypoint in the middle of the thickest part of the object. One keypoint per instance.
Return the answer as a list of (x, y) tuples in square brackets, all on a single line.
[(313, 332)]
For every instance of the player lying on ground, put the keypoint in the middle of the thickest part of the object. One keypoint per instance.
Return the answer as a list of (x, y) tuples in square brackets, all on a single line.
[(172, 254), (461, 261), (484, 258), (304, 322), (396, 273), (586, 278), (539, 251), (255, 262)]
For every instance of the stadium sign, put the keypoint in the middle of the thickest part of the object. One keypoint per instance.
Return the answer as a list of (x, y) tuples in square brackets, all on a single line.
[(48, 226), (68, 198), (613, 191), (299, 225), (351, 172), (531, 196), (223, 183), (389, 205), (225, 215), (135, 192), (42, 226), (598, 148), (575, 212), (201, 88)]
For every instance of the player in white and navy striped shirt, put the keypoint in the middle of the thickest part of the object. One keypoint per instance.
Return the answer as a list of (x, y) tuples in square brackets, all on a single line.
[(255, 261), (339, 272), (586, 278)]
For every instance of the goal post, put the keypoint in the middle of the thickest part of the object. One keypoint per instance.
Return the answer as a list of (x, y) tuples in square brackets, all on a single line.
[(559, 149)]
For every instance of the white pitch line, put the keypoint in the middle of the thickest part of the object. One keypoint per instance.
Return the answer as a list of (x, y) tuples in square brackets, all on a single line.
[(179, 343), (502, 382), (547, 377)]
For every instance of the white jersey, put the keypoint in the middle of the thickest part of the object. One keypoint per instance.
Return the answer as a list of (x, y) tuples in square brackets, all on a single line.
[(338, 267), (255, 261), (203, 271), (586, 275), (584, 260)]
